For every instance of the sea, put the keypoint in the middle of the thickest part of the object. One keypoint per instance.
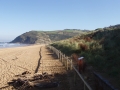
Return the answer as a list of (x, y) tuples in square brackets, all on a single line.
[(10, 45)]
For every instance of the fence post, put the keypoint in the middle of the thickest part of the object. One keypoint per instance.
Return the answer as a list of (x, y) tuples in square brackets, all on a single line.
[(58, 53), (52, 49), (67, 62), (70, 64), (55, 51), (64, 59), (60, 56)]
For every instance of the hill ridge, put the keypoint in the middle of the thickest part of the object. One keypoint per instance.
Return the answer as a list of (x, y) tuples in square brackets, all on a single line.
[(33, 37)]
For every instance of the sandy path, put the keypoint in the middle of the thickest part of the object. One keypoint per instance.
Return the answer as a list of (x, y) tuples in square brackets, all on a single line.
[(50, 63), (14, 61)]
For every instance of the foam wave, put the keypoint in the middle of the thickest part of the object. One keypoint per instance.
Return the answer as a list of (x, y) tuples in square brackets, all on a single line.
[(6, 45)]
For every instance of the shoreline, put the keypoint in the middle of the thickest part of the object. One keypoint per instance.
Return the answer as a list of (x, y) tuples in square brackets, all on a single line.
[(12, 45)]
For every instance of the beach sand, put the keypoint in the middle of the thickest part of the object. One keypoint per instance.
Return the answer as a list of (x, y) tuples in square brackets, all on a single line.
[(14, 61), (36, 59)]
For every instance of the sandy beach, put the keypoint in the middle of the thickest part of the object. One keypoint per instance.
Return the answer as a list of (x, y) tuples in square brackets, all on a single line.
[(34, 58), (14, 61)]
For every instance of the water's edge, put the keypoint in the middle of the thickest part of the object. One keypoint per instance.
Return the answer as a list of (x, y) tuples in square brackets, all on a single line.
[(9, 45)]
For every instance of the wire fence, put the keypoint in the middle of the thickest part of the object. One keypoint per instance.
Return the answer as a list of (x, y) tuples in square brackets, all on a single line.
[(69, 66), (100, 82)]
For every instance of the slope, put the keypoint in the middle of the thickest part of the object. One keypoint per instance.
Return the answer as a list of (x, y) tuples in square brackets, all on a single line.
[(33, 37), (101, 49)]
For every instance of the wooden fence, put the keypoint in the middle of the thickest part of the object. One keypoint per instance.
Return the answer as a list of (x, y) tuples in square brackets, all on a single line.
[(69, 65), (101, 83)]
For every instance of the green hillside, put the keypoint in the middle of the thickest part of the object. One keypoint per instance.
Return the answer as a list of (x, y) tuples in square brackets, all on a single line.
[(33, 37), (101, 49)]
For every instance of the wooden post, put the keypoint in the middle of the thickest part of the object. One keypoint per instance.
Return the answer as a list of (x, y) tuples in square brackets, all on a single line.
[(60, 56), (70, 64), (55, 51), (51, 48), (64, 59), (58, 53), (67, 63)]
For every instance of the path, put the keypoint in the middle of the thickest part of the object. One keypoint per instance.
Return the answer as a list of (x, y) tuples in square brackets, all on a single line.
[(35, 59), (50, 63)]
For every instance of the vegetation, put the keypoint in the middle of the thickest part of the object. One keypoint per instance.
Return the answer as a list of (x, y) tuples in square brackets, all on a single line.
[(32, 37), (28, 37), (101, 49)]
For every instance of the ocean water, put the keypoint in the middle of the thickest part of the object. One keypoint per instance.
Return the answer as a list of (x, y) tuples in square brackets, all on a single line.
[(9, 45)]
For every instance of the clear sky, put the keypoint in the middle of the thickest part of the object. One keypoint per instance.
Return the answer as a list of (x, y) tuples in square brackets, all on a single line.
[(19, 16)]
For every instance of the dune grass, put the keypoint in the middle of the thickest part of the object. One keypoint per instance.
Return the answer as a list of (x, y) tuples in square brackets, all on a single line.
[(101, 50)]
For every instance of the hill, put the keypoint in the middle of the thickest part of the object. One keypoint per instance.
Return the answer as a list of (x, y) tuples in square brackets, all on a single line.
[(101, 49), (33, 37)]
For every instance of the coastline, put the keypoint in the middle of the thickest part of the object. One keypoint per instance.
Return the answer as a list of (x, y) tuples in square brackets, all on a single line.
[(12, 45)]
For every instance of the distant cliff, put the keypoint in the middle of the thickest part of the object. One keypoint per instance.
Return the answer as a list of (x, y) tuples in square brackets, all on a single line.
[(33, 37)]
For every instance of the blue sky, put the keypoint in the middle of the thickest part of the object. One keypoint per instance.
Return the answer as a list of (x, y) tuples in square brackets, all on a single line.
[(19, 16)]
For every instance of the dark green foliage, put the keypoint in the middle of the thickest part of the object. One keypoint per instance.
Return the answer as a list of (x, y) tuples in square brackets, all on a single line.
[(57, 37), (46, 36), (64, 48), (28, 37), (103, 52)]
